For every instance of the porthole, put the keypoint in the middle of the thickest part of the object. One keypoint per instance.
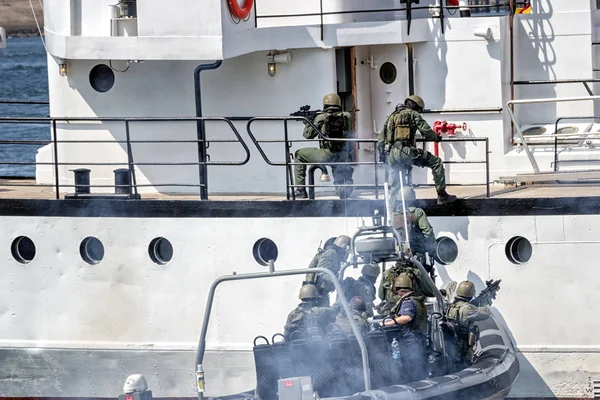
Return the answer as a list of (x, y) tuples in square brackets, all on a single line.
[(23, 249), (102, 78), (91, 250), (388, 73), (264, 250), (519, 250), (446, 250), (160, 250)]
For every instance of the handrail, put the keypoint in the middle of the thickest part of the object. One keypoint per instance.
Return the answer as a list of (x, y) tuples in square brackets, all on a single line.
[(556, 136), (510, 103), (52, 121)]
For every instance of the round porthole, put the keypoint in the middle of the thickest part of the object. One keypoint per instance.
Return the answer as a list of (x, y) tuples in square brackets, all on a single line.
[(518, 250), (160, 250), (388, 73), (23, 249), (264, 250), (446, 250), (91, 250), (102, 78)]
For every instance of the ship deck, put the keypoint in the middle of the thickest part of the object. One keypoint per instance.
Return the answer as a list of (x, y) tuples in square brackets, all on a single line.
[(27, 189)]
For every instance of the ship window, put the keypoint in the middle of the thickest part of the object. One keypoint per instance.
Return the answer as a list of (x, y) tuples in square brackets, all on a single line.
[(518, 250), (91, 250), (160, 250), (23, 249), (102, 78), (388, 73), (265, 250), (446, 250)]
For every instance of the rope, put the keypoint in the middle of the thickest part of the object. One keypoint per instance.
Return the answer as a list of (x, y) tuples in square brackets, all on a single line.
[(38, 24)]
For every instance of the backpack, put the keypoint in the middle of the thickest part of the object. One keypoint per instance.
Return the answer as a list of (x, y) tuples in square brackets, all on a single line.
[(400, 127), (334, 127)]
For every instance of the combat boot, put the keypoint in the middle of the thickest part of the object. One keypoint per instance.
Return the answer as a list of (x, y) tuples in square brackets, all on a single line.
[(300, 193), (445, 198)]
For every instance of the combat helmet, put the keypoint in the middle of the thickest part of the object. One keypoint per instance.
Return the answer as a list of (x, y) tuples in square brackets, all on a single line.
[(371, 270), (415, 100), (332, 99), (308, 292), (403, 281), (343, 242), (465, 289)]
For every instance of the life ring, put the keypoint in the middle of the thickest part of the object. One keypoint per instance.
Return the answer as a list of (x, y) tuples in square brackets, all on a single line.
[(453, 3), (240, 12)]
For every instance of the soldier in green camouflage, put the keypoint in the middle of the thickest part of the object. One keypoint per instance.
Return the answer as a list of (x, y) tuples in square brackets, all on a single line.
[(397, 144), (333, 254), (308, 318), (462, 315), (333, 123), (363, 287), (358, 307)]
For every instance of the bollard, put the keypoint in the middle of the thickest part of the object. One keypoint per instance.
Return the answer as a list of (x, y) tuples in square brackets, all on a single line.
[(122, 181), (136, 388), (82, 180)]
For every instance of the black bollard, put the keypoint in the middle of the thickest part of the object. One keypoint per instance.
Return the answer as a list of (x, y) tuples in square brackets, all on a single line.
[(82, 180), (122, 181)]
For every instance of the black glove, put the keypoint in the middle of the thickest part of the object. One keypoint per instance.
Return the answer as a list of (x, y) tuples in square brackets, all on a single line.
[(438, 138)]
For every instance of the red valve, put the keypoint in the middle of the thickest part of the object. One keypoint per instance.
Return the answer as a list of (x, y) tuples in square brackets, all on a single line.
[(443, 127)]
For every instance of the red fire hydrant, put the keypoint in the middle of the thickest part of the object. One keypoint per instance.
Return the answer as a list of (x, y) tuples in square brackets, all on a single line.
[(443, 127)]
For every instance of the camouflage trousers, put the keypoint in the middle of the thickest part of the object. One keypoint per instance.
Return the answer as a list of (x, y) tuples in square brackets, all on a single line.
[(342, 174), (402, 157)]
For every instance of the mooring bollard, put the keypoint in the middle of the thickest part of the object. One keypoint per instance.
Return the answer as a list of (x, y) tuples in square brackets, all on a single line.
[(82, 180)]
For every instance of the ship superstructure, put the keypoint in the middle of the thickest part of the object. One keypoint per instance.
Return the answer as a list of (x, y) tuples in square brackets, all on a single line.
[(191, 102)]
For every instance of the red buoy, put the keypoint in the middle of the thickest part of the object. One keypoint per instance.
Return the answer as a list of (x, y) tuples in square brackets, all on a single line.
[(240, 12)]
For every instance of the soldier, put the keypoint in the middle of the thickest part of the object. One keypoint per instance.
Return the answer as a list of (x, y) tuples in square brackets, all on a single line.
[(462, 315), (331, 257), (308, 317), (333, 123), (397, 144), (420, 232), (411, 315), (358, 307), (363, 287)]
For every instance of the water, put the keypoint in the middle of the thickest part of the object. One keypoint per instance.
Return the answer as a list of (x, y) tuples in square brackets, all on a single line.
[(23, 76)]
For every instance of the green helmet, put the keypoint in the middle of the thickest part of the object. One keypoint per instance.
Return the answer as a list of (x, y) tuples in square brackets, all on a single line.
[(403, 281), (332, 99), (409, 194), (308, 292), (343, 242), (357, 303), (370, 270), (465, 289), (418, 100)]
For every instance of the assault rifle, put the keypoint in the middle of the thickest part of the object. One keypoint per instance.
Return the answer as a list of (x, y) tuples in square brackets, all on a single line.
[(488, 294), (306, 112)]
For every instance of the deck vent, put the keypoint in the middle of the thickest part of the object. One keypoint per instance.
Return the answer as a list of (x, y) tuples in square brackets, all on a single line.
[(160, 250), (446, 250), (519, 250), (91, 250), (23, 249)]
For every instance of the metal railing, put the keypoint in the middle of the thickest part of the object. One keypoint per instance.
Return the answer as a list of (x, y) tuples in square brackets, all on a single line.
[(130, 163), (287, 157), (568, 136)]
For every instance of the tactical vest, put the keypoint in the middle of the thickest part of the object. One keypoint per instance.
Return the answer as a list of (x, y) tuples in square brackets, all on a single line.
[(400, 130), (305, 319), (323, 285), (398, 224), (390, 276), (334, 127), (465, 331), (419, 323), (344, 324)]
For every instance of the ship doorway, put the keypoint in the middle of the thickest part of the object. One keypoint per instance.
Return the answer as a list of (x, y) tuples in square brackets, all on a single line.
[(389, 81)]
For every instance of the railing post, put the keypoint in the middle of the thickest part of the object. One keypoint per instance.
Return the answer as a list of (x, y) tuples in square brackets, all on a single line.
[(55, 140), (288, 168), (487, 167), (130, 159), (375, 169)]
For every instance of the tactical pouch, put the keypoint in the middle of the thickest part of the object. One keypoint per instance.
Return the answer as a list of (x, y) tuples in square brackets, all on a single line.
[(401, 132)]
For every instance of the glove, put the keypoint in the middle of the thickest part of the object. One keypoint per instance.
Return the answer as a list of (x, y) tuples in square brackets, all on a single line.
[(383, 157), (438, 138)]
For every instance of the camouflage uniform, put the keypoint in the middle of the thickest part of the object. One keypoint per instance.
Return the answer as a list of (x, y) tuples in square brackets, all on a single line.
[(329, 259), (360, 287), (421, 234), (359, 318), (463, 315), (399, 132), (328, 152), (308, 318), (386, 288)]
